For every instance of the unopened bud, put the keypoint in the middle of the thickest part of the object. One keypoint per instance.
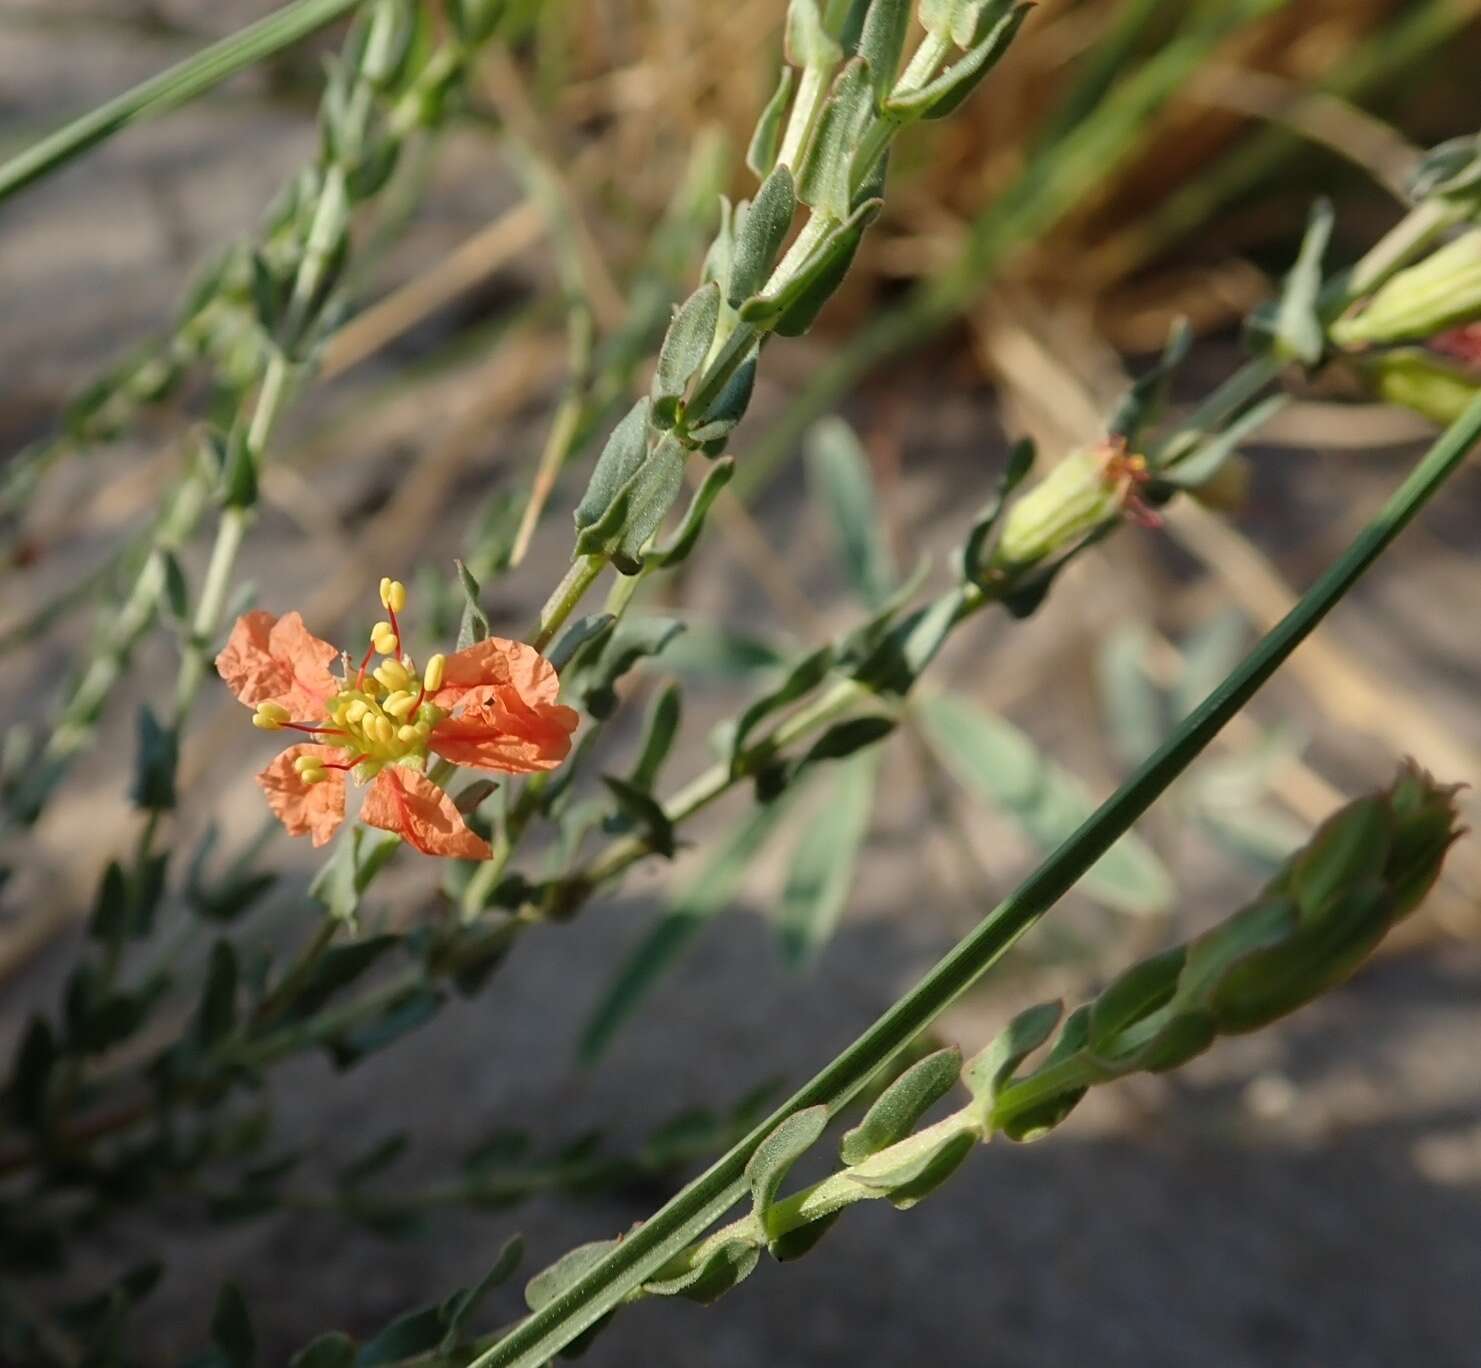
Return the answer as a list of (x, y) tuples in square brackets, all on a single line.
[(1442, 291), (1085, 490), (1416, 378)]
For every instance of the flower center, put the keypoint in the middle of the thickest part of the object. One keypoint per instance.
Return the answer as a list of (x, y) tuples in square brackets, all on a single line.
[(381, 716)]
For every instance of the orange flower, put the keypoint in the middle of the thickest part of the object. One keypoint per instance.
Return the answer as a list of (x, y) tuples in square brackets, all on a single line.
[(491, 707)]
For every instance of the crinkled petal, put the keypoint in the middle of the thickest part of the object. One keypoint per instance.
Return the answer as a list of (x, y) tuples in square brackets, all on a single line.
[(507, 734), (471, 676), (278, 660), (407, 802), (305, 809)]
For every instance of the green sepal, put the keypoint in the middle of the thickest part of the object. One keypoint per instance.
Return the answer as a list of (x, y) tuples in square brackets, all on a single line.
[(977, 548)]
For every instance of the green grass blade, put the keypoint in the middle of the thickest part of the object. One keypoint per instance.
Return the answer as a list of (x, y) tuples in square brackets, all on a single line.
[(170, 89), (709, 1196)]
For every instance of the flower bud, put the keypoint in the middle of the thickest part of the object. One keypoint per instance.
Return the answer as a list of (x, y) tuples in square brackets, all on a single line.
[(1324, 912), (1415, 378), (1088, 488), (1442, 291)]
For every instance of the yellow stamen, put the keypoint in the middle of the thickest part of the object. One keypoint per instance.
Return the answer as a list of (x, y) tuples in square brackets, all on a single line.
[(400, 705), (432, 676), (393, 595), (392, 674), (384, 730), (270, 716), (312, 777), (356, 711), (406, 735)]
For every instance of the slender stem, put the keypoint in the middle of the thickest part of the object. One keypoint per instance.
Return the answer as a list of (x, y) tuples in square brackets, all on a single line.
[(617, 1274), (568, 593), (171, 88)]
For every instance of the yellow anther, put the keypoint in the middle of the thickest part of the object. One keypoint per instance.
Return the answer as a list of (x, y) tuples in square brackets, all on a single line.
[(384, 640), (356, 710), (270, 716), (400, 705), (304, 763), (393, 595), (424, 729), (384, 730), (432, 675), (406, 735), (316, 776)]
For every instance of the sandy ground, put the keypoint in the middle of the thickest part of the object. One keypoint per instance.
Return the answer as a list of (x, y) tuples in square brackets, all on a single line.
[(1306, 1197)]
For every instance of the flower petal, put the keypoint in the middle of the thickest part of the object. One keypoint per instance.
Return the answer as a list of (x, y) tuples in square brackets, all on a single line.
[(507, 733), (472, 675), (407, 802), (278, 660), (305, 809)]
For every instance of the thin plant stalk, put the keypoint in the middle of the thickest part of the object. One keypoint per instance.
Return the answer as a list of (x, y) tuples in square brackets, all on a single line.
[(622, 1270)]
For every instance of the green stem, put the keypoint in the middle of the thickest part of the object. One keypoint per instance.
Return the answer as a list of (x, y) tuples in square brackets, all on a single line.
[(171, 88), (568, 593), (617, 1274)]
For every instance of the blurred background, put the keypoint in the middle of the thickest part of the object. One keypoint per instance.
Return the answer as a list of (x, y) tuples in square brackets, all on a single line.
[(1308, 1196)]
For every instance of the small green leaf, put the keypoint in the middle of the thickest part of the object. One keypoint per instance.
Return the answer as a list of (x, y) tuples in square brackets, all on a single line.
[(402, 1015), (618, 463), (1131, 997), (35, 1059), (946, 93), (766, 141), (579, 637), (1300, 334), (822, 871), (807, 40), (678, 547), (646, 813), (658, 739), (158, 756), (693, 907), (685, 345), (992, 758), (414, 1333), (724, 414), (1143, 402), (474, 626), (987, 1072), (822, 273), (722, 1268), (461, 1305), (637, 509), (804, 676), (761, 229), (775, 1155), (550, 1282), (823, 178), (594, 680), (915, 1167), (882, 42), (216, 1016), (840, 478), (902, 1104)]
